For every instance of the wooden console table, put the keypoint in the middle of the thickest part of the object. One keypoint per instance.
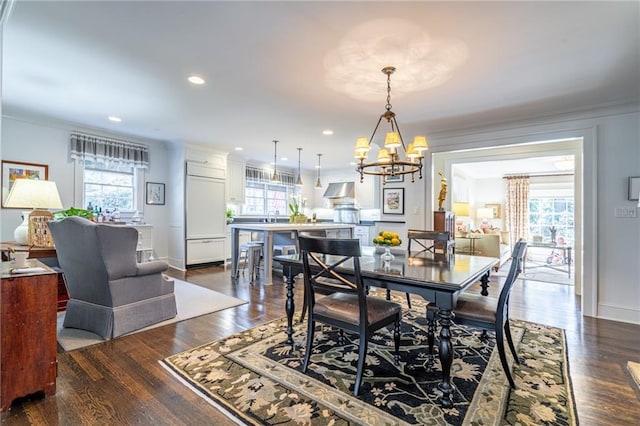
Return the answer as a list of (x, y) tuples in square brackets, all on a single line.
[(28, 333)]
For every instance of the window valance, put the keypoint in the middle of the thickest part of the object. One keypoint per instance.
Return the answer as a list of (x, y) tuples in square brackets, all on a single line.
[(255, 174), (96, 148)]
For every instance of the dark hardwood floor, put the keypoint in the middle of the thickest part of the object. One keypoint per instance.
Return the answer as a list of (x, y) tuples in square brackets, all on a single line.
[(120, 382)]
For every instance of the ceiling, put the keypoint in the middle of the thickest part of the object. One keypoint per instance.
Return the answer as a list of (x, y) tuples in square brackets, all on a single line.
[(289, 70)]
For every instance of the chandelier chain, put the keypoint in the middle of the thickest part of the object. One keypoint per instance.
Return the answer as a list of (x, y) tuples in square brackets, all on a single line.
[(388, 106)]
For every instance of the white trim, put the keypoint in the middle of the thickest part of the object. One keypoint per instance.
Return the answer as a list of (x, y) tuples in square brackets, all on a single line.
[(619, 313)]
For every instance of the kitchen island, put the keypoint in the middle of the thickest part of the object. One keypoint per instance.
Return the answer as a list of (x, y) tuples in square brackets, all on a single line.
[(270, 231)]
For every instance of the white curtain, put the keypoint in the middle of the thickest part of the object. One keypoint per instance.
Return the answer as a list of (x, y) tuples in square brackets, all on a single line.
[(517, 207)]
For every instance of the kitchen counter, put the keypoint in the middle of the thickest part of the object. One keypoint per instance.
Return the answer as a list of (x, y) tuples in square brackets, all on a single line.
[(269, 232)]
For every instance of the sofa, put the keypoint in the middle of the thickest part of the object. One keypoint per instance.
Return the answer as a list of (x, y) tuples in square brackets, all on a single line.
[(494, 244)]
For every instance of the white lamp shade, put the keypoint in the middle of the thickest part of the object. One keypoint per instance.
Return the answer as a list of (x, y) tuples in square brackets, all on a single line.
[(484, 213), (34, 193)]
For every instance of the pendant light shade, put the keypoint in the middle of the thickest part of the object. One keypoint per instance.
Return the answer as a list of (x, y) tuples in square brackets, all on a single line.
[(274, 177), (318, 183), (299, 180)]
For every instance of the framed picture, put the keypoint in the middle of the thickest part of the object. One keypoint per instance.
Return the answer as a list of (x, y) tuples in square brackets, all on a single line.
[(495, 208), (12, 170), (393, 201), (634, 188), (155, 193), (394, 178)]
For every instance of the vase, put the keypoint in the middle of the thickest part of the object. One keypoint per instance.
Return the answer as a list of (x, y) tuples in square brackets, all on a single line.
[(298, 218), (387, 256)]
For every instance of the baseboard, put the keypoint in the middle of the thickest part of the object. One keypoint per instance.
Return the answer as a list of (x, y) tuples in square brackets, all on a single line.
[(618, 313)]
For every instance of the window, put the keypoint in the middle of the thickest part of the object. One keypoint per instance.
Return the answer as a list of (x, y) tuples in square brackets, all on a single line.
[(109, 186), (545, 212), (263, 198)]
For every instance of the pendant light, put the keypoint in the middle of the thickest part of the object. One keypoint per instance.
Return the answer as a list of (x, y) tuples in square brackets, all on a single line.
[(299, 181), (274, 178), (318, 183)]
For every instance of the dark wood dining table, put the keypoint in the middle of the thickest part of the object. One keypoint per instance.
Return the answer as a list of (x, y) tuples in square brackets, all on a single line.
[(438, 278)]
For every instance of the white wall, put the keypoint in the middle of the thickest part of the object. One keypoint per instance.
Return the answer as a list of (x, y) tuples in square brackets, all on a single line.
[(611, 246), (29, 141)]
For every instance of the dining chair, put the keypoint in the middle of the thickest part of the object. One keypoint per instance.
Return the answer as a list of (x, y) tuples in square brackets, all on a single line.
[(440, 241), (348, 306), (490, 313)]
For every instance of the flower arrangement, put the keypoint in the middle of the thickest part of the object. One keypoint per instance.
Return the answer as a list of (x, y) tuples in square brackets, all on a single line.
[(296, 206), (386, 238)]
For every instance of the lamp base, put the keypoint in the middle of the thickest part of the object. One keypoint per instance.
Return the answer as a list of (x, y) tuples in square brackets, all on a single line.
[(21, 234)]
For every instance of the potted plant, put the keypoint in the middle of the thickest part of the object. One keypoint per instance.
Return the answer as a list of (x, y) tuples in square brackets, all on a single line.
[(296, 215), (229, 216)]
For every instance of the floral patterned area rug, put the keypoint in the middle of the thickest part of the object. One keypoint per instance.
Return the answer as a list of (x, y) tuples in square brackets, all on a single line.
[(256, 379)]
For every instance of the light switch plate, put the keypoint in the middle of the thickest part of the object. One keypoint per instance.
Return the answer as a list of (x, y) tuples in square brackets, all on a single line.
[(625, 212)]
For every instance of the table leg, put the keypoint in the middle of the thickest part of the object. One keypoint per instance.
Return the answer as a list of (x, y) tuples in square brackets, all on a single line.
[(289, 305), (268, 257), (569, 261), (446, 358), (484, 283), (235, 249)]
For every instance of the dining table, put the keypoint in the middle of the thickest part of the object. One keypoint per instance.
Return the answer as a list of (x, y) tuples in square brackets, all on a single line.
[(437, 277)]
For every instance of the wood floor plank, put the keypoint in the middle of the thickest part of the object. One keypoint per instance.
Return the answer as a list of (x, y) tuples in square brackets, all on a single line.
[(122, 382)]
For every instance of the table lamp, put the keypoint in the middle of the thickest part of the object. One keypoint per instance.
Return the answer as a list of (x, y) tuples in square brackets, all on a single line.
[(484, 214), (460, 210), (33, 194)]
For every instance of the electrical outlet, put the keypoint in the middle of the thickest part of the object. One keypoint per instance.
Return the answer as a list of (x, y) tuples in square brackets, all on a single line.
[(625, 212)]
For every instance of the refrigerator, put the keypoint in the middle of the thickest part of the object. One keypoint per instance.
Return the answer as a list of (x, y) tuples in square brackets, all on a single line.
[(205, 214)]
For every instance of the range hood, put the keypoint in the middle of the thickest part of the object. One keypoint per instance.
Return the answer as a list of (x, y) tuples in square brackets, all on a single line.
[(341, 190)]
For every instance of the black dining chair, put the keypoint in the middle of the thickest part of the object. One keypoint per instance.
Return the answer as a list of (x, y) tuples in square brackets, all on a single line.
[(440, 243), (490, 313), (348, 306)]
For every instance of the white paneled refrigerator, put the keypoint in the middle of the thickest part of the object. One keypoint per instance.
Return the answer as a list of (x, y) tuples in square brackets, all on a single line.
[(205, 214)]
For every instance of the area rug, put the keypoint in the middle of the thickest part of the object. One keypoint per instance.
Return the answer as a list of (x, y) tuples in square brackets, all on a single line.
[(535, 272), (191, 301), (256, 379), (634, 370)]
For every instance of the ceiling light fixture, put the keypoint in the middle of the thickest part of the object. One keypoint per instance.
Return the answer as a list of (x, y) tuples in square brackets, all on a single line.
[(318, 183), (327, 132), (194, 79), (115, 119), (389, 162), (274, 177), (299, 180)]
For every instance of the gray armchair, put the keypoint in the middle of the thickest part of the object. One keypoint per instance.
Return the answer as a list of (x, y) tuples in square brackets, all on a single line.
[(110, 294)]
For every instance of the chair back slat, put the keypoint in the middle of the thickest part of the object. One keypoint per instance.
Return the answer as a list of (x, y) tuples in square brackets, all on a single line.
[(517, 257), (439, 239)]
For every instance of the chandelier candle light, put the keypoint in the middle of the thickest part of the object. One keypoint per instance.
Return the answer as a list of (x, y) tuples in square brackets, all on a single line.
[(389, 162)]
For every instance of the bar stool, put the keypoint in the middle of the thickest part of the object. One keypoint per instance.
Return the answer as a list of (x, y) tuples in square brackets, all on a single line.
[(252, 252), (284, 249)]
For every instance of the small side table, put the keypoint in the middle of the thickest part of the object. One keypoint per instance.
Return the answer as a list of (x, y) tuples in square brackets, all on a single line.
[(28, 331), (472, 241)]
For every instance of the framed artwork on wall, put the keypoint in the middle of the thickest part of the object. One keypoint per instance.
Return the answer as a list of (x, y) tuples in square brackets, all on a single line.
[(393, 178), (12, 170), (495, 208), (155, 193), (393, 201), (634, 188)]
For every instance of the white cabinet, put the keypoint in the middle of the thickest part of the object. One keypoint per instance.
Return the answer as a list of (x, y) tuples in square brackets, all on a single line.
[(145, 242), (205, 208), (205, 250), (339, 233), (363, 233), (236, 181)]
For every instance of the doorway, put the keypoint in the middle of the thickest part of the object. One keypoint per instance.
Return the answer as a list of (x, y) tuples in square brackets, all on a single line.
[(486, 167)]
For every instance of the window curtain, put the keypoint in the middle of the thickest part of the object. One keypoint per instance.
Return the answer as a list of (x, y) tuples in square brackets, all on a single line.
[(517, 207), (99, 149), (254, 174)]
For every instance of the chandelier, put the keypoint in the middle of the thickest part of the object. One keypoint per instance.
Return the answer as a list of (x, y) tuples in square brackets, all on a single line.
[(389, 162)]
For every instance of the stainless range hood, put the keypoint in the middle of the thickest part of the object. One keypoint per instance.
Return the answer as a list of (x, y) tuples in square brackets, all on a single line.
[(341, 190)]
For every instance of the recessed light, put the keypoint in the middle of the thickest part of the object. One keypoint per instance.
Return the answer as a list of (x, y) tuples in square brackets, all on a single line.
[(238, 148), (284, 159), (194, 79), (327, 132), (115, 119)]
